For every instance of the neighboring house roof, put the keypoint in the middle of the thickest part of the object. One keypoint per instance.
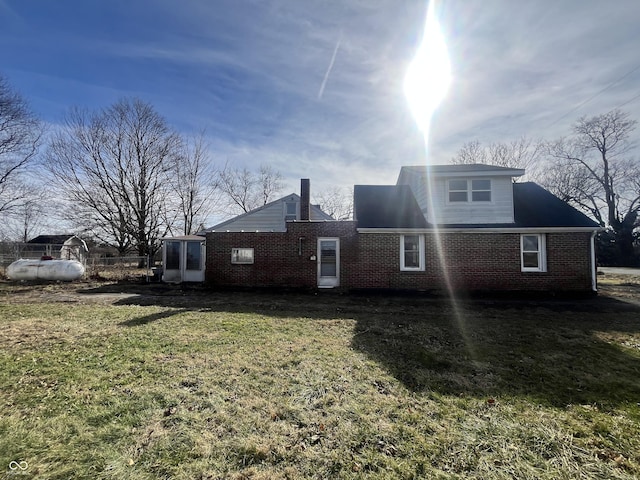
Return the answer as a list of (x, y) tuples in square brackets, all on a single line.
[(394, 206), (51, 239), (263, 218), (387, 206)]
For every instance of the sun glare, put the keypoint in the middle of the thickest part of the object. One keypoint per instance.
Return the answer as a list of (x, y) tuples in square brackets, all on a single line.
[(425, 86), (429, 74)]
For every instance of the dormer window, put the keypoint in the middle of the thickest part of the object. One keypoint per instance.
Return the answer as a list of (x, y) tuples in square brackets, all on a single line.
[(481, 190), (290, 211), (458, 191), (476, 190)]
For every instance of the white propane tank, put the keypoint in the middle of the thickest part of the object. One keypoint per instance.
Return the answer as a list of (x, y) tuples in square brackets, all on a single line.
[(65, 270)]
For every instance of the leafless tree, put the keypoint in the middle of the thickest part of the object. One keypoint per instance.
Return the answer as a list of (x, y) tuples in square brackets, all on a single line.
[(31, 215), (522, 153), (245, 190), (20, 134), (113, 166), (593, 170), (270, 183), (194, 184), (337, 202), (471, 152)]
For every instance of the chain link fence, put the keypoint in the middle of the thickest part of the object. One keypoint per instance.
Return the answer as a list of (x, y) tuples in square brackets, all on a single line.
[(119, 268), (98, 266)]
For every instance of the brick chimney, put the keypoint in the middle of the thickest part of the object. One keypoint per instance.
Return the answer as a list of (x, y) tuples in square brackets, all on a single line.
[(305, 200)]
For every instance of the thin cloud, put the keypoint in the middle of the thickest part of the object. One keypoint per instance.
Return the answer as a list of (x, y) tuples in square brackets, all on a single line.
[(252, 73)]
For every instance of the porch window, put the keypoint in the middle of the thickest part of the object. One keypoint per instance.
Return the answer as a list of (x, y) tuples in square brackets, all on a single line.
[(172, 260), (242, 256), (412, 253), (533, 253), (194, 255)]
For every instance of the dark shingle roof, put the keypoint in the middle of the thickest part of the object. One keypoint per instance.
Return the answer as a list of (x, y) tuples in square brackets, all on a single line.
[(394, 206), (387, 206), (536, 207), (50, 239)]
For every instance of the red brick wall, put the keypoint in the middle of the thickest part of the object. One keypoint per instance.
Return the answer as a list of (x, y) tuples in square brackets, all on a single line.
[(474, 261), (281, 259)]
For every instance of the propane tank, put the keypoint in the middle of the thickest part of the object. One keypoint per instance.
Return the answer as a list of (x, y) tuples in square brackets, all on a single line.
[(65, 270)]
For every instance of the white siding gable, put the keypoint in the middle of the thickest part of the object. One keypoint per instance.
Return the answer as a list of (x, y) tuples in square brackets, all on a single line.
[(436, 193), (268, 218), (498, 210)]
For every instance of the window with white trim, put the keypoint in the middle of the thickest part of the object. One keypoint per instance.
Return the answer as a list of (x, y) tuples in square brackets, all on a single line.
[(172, 255), (533, 253), (475, 190), (458, 191), (290, 211), (481, 190), (242, 256), (412, 253)]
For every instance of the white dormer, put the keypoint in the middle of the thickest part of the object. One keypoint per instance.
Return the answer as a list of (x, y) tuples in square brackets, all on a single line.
[(463, 194)]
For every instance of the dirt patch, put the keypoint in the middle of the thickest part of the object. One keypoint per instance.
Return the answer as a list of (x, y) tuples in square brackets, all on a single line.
[(614, 291)]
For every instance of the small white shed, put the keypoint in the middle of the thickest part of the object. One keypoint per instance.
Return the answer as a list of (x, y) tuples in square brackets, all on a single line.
[(183, 259)]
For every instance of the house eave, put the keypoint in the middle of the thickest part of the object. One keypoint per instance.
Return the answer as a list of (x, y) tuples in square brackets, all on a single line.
[(197, 238), (482, 230), (471, 174)]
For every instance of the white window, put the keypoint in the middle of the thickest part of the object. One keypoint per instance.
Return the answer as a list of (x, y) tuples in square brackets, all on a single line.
[(242, 255), (194, 256), (533, 255), (290, 211), (412, 253), (481, 190), (478, 190), (172, 252), (458, 191)]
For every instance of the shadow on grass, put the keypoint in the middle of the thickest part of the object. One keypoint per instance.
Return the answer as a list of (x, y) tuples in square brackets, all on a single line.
[(553, 351), (153, 317), (550, 357)]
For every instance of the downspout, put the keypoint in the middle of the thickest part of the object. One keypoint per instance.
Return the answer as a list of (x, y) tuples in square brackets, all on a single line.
[(594, 284)]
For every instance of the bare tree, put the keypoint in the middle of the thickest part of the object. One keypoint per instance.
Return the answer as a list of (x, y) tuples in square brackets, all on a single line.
[(270, 183), (470, 153), (113, 168), (592, 170), (522, 153), (245, 190), (337, 202), (194, 184), (30, 217), (20, 134)]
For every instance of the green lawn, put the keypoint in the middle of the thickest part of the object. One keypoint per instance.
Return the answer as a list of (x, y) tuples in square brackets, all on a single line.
[(293, 386)]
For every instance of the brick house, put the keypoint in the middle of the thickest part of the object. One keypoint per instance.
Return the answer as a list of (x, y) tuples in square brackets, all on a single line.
[(460, 227)]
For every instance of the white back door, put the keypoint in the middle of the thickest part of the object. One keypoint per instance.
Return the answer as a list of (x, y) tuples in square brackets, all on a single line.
[(328, 262)]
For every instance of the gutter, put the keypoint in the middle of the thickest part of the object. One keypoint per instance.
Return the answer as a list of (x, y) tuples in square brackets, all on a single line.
[(482, 230), (594, 273)]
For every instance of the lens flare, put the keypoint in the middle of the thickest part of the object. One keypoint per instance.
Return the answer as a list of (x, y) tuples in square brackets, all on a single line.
[(425, 85), (429, 74)]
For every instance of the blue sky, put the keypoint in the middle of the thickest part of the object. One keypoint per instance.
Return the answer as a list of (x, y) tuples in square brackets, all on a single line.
[(314, 87)]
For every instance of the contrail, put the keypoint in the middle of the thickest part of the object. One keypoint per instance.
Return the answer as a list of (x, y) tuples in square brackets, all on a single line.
[(333, 59)]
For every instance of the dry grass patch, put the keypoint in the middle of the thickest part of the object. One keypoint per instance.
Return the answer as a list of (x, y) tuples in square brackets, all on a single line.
[(263, 386)]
